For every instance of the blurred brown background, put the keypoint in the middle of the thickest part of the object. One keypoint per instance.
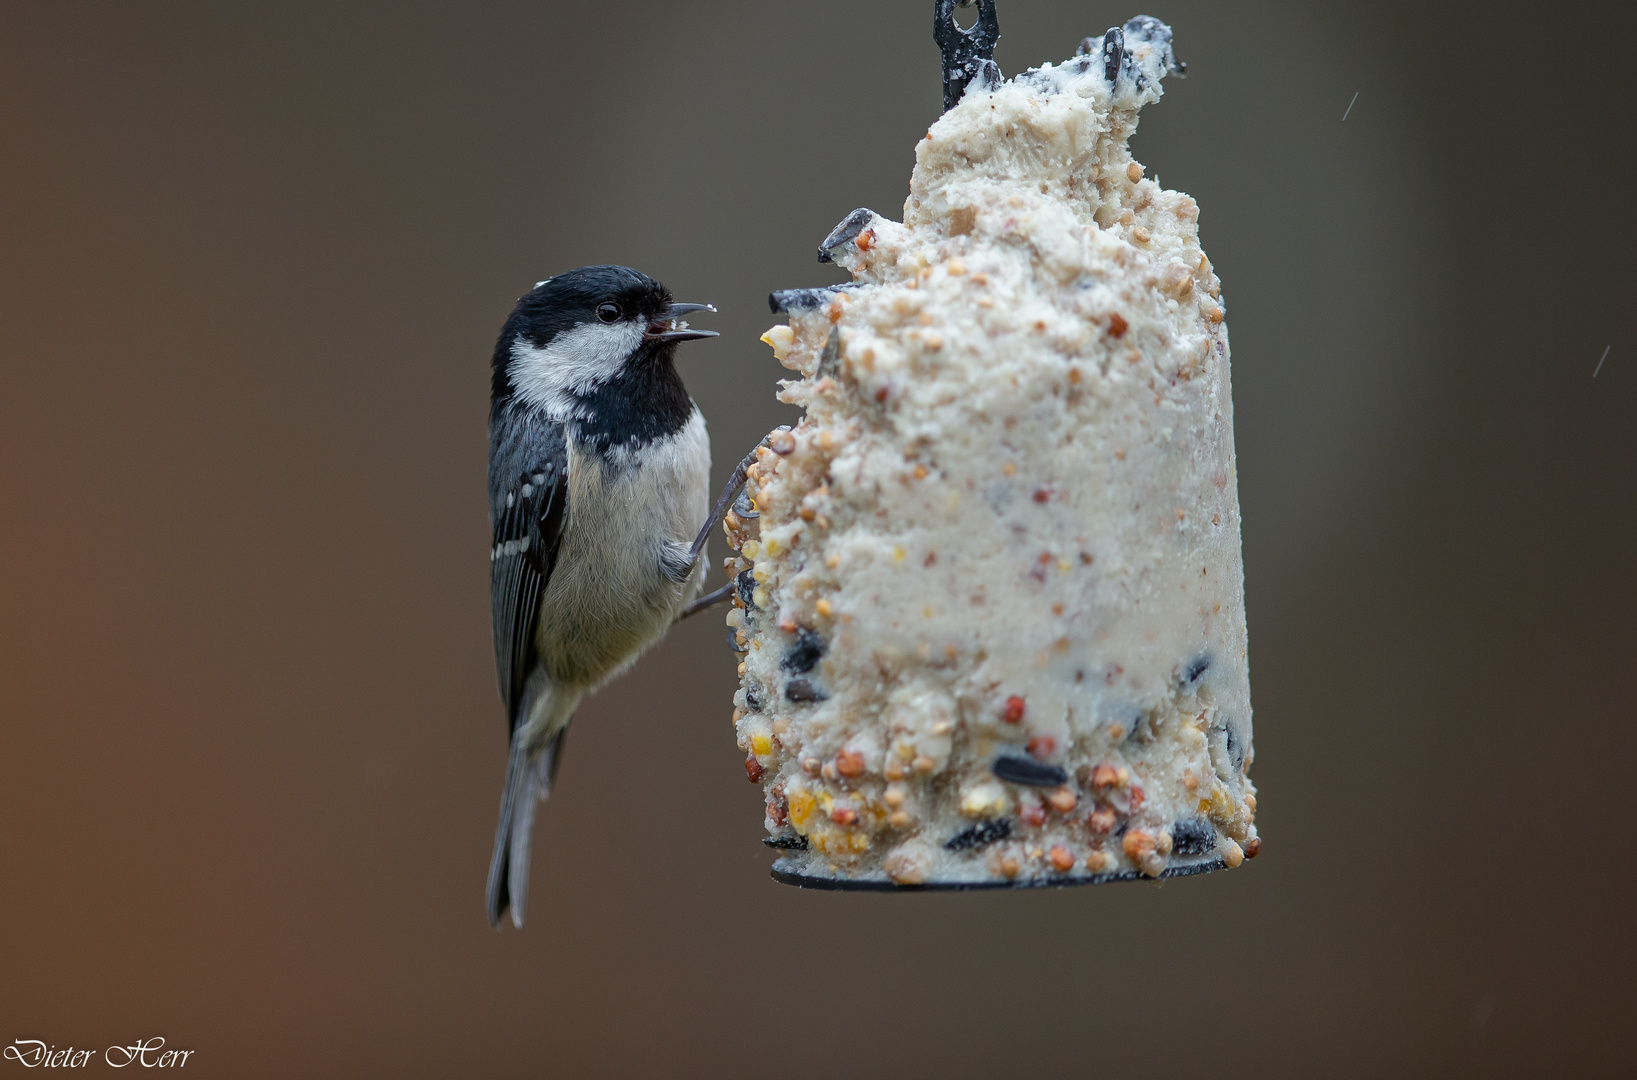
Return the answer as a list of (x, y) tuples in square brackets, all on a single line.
[(254, 260)]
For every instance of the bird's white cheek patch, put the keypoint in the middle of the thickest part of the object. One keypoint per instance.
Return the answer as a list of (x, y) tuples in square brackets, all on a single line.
[(573, 362)]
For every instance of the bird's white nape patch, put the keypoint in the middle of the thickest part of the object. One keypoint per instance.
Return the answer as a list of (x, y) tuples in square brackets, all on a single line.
[(573, 362)]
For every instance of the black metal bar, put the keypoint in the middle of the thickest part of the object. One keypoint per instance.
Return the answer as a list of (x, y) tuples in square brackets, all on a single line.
[(967, 53)]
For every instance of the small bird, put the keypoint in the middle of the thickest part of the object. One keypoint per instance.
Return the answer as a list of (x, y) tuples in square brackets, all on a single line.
[(599, 473)]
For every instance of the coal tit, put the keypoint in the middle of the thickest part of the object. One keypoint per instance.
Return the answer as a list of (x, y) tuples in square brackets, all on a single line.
[(599, 469)]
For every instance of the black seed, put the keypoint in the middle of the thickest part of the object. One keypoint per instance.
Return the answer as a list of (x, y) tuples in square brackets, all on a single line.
[(786, 842), (844, 233), (1022, 770), (1149, 29), (1236, 749), (1113, 54), (1192, 836), (1195, 669), (830, 359), (802, 690), (984, 832), (753, 697), (796, 301), (804, 653), (746, 584)]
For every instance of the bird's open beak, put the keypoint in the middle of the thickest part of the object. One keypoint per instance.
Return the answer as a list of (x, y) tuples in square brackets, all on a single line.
[(669, 326)]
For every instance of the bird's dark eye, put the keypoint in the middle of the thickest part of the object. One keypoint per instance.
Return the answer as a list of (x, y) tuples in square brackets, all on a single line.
[(608, 312)]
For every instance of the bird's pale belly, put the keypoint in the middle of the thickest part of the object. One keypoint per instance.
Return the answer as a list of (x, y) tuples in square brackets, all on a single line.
[(609, 598)]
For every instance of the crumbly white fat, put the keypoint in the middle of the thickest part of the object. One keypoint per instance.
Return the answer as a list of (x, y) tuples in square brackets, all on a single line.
[(1008, 526)]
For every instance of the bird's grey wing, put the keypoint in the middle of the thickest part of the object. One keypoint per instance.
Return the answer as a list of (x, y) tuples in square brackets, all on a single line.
[(530, 504)]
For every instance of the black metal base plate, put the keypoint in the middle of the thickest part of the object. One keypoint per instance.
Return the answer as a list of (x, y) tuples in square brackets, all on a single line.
[(830, 884)]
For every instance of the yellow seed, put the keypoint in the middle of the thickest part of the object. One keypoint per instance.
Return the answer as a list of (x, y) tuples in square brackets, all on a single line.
[(832, 561), (955, 268), (1233, 854), (859, 841), (771, 546), (933, 340), (898, 818), (764, 499), (780, 339), (923, 764), (1063, 565), (1010, 866), (823, 608), (905, 750), (1133, 172), (895, 795), (1010, 468), (898, 554), (920, 472), (761, 745), (761, 573), (760, 598), (1140, 234), (751, 549), (801, 807)]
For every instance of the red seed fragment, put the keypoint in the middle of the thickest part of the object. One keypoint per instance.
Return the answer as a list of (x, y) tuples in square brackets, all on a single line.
[(1042, 747), (1013, 713), (843, 815), (881, 394), (1117, 326), (1103, 819), (850, 763), (1033, 813), (1104, 777), (1137, 798), (753, 769), (1138, 844), (1041, 495), (1253, 847)]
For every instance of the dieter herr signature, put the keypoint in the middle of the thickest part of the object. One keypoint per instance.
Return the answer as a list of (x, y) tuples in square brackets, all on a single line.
[(148, 1053)]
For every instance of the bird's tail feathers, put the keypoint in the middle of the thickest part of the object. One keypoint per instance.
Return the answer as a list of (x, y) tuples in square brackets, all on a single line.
[(528, 783)]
